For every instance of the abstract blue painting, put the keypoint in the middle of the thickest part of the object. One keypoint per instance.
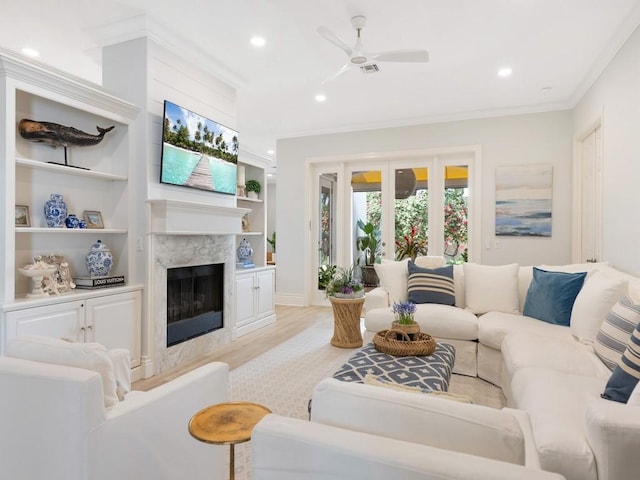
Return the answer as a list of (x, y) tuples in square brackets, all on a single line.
[(524, 200)]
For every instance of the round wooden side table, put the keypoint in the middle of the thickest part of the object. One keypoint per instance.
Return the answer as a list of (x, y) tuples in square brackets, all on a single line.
[(346, 322), (227, 423)]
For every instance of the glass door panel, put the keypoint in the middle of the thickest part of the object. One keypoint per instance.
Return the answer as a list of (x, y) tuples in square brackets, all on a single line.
[(456, 213), (326, 227), (411, 212), (366, 204)]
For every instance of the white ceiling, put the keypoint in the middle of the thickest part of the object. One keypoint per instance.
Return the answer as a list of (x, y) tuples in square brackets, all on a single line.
[(559, 44)]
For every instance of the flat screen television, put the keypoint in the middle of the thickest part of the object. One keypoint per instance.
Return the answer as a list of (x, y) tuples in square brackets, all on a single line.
[(197, 152)]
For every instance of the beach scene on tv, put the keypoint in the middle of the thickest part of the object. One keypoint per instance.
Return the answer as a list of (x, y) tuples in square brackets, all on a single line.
[(198, 152)]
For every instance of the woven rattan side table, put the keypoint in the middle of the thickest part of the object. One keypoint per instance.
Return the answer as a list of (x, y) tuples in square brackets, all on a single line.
[(227, 423), (346, 322)]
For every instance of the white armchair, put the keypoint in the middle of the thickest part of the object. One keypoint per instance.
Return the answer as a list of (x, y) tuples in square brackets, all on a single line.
[(55, 425), (366, 432)]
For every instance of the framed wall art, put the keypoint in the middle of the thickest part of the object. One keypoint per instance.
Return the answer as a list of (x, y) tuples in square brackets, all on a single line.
[(93, 219), (22, 216), (524, 200)]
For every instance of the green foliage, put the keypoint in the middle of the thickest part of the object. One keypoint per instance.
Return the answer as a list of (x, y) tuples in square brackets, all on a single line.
[(455, 225), (253, 186), (371, 243), (411, 245), (325, 274), (204, 141), (272, 241)]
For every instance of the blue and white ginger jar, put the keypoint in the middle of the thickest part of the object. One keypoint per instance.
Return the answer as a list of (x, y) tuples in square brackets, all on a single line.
[(72, 221), (99, 260), (55, 211), (244, 251)]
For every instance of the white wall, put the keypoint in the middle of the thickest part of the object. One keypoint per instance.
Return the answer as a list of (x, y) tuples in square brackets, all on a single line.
[(615, 97), (543, 138)]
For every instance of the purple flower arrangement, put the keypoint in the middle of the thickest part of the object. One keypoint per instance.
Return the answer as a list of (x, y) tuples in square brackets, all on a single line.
[(404, 312)]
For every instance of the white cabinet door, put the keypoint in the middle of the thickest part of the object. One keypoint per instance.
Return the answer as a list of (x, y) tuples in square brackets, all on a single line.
[(245, 291), (264, 294), (62, 320), (114, 321)]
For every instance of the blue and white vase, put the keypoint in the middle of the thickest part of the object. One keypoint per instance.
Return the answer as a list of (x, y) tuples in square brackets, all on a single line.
[(82, 224), (244, 252), (72, 221), (55, 211), (99, 260)]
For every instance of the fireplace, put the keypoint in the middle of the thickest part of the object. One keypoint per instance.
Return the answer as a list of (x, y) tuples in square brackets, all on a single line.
[(195, 301)]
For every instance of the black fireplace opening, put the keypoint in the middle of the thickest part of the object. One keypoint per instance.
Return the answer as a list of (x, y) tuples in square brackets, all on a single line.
[(195, 299)]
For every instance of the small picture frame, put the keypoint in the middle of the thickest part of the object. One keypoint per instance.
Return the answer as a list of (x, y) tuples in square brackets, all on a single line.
[(22, 216), (93, 219)]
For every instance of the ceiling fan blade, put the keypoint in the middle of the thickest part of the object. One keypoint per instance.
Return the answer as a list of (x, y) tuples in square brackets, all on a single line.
[(411, 56), (335, 39), (344, 68)]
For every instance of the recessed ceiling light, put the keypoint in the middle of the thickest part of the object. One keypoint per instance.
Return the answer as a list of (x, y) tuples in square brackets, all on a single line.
[(504, 72), (320, 97), (270, 152), (30, 52), (258, 41)]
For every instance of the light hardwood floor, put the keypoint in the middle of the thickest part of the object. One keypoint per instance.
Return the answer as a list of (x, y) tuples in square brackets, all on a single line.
[(291, 321)]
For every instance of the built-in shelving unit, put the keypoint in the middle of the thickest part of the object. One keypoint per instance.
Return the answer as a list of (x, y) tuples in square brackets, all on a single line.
[(95, 179)]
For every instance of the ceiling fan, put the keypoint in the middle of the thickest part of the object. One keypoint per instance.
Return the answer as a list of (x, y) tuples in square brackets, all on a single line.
[(358, 56)]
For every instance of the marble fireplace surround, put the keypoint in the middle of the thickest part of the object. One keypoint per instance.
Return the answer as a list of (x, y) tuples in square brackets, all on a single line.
[(185, 234)]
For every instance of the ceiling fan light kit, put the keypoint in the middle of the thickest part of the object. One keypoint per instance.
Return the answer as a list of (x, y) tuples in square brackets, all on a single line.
[(359, 56)]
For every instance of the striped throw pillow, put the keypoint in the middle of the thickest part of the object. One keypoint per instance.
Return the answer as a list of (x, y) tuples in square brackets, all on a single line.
[(627, 373), (615, 331), (431, 285)]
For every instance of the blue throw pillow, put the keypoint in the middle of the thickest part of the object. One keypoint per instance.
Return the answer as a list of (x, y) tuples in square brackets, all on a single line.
[(431, 285), (625, 376), (551, 295)]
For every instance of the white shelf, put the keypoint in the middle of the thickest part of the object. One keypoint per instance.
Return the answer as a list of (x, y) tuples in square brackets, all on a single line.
[(247, 199), (71, 231), (79, 172), (249, 234)]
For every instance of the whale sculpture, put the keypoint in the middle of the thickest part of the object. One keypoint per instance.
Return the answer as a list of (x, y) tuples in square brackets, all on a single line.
[(58, 135)]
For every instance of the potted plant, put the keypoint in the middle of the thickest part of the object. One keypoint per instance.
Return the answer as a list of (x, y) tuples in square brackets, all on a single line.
[(253, 188), (370, 245), (272, 242), (404, 320), (411, 245), (344, 284)]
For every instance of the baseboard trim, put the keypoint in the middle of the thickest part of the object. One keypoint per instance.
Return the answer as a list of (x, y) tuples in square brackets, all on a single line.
[(291, 299)]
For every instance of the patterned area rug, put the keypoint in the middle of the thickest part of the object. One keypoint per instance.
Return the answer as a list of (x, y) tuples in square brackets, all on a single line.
[(283, 378)]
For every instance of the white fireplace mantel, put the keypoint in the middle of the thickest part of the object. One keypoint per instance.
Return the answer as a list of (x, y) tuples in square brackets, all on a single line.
[(172, 217)]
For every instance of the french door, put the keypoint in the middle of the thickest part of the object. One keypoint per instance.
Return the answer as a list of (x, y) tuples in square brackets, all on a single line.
[(424, 200)]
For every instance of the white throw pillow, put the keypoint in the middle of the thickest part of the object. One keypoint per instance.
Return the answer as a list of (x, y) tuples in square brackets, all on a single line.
[(491, 288), (430, 261), (90, 356), (393, 278), (598, 294)]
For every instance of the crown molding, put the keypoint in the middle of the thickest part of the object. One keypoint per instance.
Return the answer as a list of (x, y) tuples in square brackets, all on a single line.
[(140, 26)]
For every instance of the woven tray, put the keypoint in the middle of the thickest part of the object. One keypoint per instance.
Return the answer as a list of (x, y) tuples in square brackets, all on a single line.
[(385, 341)]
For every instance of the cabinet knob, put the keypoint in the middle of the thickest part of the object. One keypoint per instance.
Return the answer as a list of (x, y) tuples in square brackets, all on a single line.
[(90, 327)]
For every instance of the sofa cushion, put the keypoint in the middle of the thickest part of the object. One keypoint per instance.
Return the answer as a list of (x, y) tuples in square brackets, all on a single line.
[(493, 327), (595, 299), (551, 295), (566, 354), (427, 285), (441, 321), (557, 403), (491, 288), (430, 261), (627, 373), (615, 331), (90, 356), (393, 278)]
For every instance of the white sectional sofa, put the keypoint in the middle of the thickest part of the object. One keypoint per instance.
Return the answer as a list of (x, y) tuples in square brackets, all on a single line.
[(550, 371)]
